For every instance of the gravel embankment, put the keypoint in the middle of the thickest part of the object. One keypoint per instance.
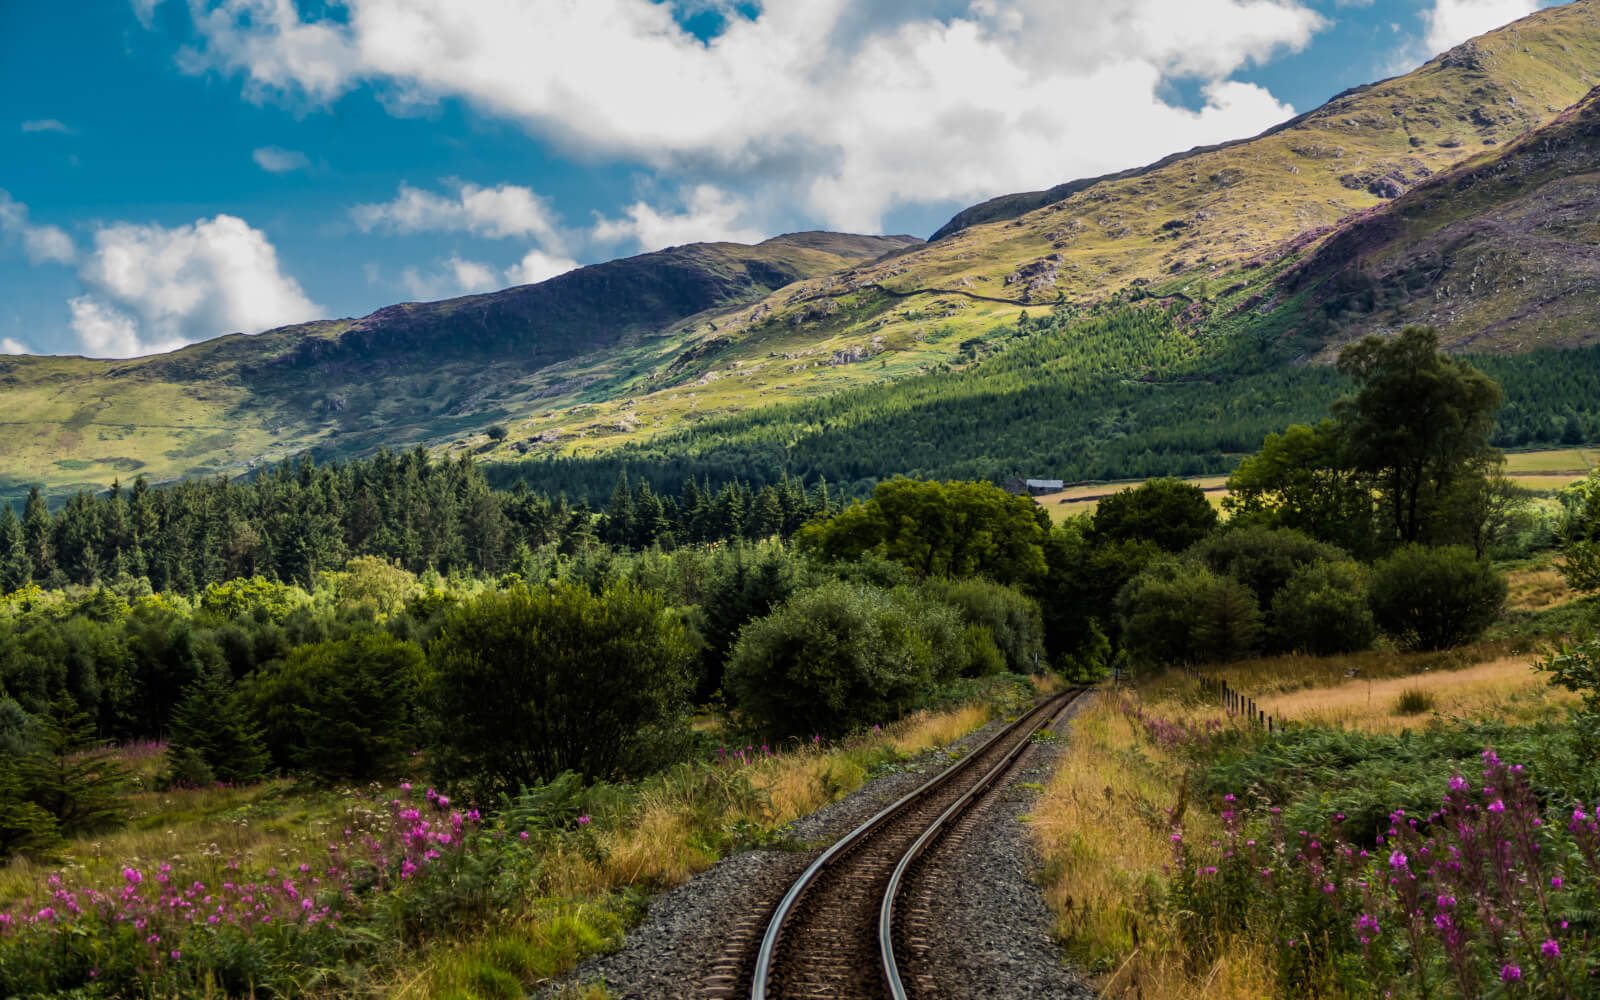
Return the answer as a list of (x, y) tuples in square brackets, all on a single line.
[(692, 936)]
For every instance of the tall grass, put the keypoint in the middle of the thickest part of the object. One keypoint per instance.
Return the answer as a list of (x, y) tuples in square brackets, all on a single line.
[(1103, 826)]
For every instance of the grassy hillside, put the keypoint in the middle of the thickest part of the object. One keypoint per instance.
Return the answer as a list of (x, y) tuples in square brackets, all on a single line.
[(1255, 254), (1209, 228), (417, 372), (1502, 253)]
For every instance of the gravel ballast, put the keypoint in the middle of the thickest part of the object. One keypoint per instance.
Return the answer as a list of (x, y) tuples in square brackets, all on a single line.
[(996, 926)]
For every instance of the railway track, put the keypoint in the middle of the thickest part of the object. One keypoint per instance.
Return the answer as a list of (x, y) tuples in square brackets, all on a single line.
[(846, 929)]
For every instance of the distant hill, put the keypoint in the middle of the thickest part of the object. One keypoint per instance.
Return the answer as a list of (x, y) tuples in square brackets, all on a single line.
[(410, 373)]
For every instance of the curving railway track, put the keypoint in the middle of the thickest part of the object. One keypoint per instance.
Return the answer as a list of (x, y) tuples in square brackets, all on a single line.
[(849, 927)]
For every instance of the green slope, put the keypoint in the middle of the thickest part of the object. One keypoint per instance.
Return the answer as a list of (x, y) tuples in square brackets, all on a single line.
[(417, 372)]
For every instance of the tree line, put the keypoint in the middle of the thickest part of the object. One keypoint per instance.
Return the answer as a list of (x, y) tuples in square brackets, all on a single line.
[(299, 519)]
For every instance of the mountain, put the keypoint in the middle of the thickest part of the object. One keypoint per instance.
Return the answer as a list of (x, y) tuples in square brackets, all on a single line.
[(408, 373), (1228, 219), (1459, 194), (1501, 253)]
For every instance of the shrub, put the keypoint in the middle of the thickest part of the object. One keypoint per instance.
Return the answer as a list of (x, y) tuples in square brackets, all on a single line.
[(1180, 612), (1413, 701), (1434, 598), (526, 683), (1263, 559), (1323, 609), (832, 658), (1012, 618), (738, 593), (342, 709)]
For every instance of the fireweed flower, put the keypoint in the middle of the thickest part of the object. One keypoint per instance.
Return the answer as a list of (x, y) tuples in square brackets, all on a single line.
[(1510, 973), (1550, 949)]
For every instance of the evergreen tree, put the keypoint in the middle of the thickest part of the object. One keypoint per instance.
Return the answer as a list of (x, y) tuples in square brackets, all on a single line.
[(70, 774), (36, 535), (14, 565), (214, 737)]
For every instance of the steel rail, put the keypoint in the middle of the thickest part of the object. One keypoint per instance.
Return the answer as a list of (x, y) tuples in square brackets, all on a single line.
[(891, 968), (769, 942)]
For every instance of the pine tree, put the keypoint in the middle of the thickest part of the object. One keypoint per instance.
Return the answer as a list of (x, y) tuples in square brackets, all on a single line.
[(14, 567), (70, 774), (36, 535), (214, 737)]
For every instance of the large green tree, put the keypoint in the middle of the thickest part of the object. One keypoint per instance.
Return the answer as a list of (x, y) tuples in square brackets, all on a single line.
[(529, 682), (939, 529), (1417, 427)]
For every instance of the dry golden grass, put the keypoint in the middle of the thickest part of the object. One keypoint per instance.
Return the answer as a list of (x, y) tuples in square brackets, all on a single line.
[(1101, 826), (1507, 688), (1537, 588)]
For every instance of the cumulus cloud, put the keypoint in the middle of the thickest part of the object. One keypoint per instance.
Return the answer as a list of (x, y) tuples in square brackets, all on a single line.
[(537, 266), (277, 160), (452, 277), (47, 125), (709, 214), (42, 244), (9, 346), (498, 212), (1452, 22), (152, 289), (847, 109)]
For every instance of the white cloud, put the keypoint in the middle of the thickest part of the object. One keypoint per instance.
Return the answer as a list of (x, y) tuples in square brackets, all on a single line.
[(848, 109), (709, 215), (9, 346), (1452, 22), (47, 125), (277, 160), (151, 288), (453, 277), (502, 211), (537, 266), (42, 244)]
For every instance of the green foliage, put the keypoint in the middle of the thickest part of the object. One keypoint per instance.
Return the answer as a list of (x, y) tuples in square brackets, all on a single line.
[(744, 586), (1418, 427), (1323, 609), (1580, 535), (260, 598), (1263, 559), (214, 736), (837, 657), (1298, 481), (1169, 512), (1177, 611), (62, 782), (526, 683), (1435, 598), (343, 708), (1011, 619), (938, 529)]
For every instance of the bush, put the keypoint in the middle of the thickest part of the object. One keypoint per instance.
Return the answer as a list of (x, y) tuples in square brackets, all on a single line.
[(342, 709), (1012, 618), (1180, 612), (1169, 512), (834, 658), (1323, 609), (1435, 598), (1264, 559), (739, 592), (1413, 701), (526, 683)]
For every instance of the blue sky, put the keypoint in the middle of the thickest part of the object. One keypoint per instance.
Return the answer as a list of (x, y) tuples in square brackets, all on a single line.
[(178, 169)]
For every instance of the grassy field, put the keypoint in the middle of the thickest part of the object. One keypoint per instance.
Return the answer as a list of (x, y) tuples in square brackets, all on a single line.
[(1538, 471), (1105, 820), (578, 883)]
